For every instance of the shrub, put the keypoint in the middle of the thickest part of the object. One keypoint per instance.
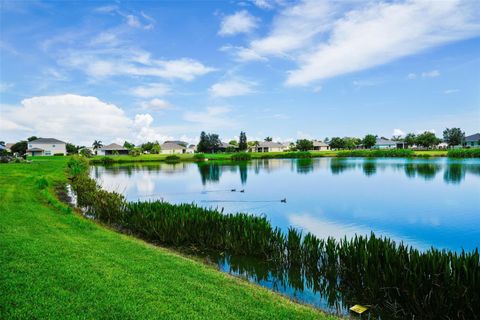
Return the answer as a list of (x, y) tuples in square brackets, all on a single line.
[(172, 158), (464, 153), (86, 153), (58, 154), (199, 157), (41, 183), (241, 156), (389, 153)]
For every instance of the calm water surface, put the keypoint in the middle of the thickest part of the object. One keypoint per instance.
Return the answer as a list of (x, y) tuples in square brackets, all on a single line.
[(422, 202)]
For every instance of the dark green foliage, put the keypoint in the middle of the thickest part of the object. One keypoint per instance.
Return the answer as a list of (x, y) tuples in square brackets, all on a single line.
[(42, 183), (242, 142), (19, 147), (454, 136), (427, 139), (464, 153), (208, 142), (304, 145), (59, 154), (337, 143), (377, 153), (172, 158), (241, 156), (105, 160), (369, 141)]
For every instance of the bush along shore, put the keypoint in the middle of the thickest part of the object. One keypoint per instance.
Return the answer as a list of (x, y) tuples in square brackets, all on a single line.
[(464, 153), (394, 280)]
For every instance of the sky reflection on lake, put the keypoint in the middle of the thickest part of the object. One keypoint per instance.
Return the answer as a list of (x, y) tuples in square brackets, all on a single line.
[(424, 202)]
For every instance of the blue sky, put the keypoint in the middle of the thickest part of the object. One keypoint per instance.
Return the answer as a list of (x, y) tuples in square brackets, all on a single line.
[(145, 70)]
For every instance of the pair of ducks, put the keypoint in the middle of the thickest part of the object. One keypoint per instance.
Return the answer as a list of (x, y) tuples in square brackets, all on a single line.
[(234, 190)]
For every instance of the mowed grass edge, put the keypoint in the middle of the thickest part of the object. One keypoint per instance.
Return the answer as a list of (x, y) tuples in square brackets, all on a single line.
[(59, 265)]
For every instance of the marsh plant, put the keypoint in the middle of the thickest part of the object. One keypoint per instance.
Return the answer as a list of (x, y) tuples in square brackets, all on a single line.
[(396, 280)]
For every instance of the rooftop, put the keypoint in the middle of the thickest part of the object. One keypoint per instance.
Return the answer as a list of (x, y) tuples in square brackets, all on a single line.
[(46, 141), (474, 137), (113, 146), (168, 145)]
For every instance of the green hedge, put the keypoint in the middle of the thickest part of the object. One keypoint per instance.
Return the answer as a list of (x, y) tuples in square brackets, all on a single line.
[(394, 153), (464, 153)]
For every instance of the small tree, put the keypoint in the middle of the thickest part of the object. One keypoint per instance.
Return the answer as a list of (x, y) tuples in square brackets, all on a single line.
[(304, 145), (86, 153), (369, 141), (32, 138), (72, 149), (242, 142), (268, 139), (337, 143), (128, 145), (454, 136), (19, 147), (427, 139), (156, 148), (233, 142), (351, 143), (97, 144), (203, 143), (410, 139)]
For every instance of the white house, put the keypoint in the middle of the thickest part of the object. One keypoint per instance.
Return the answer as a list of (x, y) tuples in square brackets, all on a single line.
[(388, 144), (112, 149), (46, 147), (171, 147), (320, 145), (269, 146)]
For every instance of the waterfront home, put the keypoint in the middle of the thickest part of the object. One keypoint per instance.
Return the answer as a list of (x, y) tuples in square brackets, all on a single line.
[(472, 141), (388, 144), (191, 149), (173, 147), (112, 149), (46, 147), (269, 146), (320, 145)]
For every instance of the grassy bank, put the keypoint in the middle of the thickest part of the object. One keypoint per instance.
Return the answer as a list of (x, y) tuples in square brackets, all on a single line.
[(370, 270), (270, 155), (58, 265)]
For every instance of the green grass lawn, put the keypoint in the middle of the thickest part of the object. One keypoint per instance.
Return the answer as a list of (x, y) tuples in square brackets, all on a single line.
[(58, 265)]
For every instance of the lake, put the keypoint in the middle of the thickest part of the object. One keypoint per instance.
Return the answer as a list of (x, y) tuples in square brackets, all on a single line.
[(422, 202)]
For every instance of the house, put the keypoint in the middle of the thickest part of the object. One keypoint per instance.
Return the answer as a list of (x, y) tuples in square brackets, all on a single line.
[(320, 145), (472, 141), (226, 147), (46, 147), (173, 147), (191, 148), (179, 142), (112, 149), (388, 144), (269, 146)]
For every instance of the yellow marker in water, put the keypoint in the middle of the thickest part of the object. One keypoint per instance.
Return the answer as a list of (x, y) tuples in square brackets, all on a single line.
[(358, 309)]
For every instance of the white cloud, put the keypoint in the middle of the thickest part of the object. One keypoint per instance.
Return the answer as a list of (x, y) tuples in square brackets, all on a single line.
[(243, 54), (450, 91), (412, 76), (328, 39), (211, 118), (101, 63), (239, 22), (398, 132), (231, 88), (264, 4), (155, 104), (76, 119), (317, 89), (431, 74), (133, 21), (382, 32), (151, 90)]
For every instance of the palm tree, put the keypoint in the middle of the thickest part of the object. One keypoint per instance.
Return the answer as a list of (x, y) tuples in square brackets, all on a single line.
[(97, 144)]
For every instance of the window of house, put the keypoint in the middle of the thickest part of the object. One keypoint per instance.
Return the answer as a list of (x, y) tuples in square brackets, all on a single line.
[(48, 153), (29, 145)]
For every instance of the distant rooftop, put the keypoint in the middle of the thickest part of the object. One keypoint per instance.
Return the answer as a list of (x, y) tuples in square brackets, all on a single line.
[(473, 138), (270, 144), (169, 145), (113, 146), (45, 141)]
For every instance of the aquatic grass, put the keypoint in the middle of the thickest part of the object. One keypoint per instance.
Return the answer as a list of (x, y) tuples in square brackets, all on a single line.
[(241, 156), (393, 153), (464, 153), (392, 278)]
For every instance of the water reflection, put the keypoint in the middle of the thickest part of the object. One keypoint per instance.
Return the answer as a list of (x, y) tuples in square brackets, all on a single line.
[(423, 202)]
